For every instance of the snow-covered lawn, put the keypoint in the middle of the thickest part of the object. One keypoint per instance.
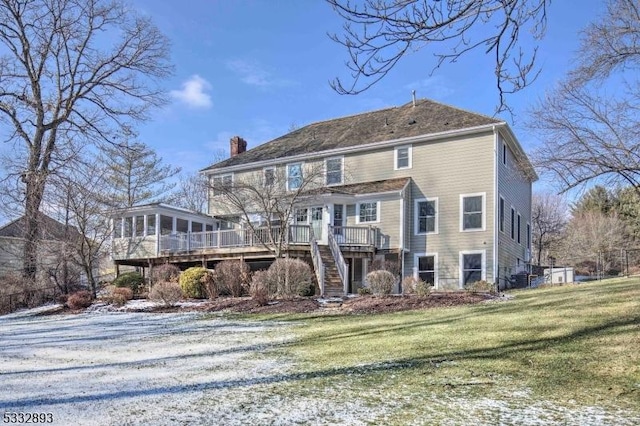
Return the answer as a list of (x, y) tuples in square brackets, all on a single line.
[(135, 368), (119, 368)]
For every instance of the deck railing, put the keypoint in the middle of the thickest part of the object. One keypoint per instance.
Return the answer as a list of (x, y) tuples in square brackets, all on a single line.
[(188, 241), (318, 265), (355, 235), (341, 265)]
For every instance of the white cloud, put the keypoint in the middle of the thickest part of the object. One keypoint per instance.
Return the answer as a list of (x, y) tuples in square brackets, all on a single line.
[(254, 74), (193, 93)]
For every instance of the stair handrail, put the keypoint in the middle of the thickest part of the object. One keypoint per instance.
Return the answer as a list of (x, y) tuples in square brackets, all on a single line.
[(318, 265), (341, 265)]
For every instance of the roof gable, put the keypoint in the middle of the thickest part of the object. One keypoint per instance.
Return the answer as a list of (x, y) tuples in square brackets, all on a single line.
[(49, 229), (426, 117)]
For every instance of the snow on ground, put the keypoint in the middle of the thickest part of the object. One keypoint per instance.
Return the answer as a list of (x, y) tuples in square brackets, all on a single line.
[(104, 368), (124, 368)]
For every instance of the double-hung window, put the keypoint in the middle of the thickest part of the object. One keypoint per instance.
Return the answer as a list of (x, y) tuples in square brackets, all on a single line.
[(426, 211), (221, 184), (333, 167), (519, 227), (402, 157), (513, 223), (472, 267), (302, 216), (472, 212), (426, 266), (368, 212), (294, 176), (269, 176)]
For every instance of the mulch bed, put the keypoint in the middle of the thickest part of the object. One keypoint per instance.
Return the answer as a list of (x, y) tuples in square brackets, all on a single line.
[(383, 304), (353, 305)]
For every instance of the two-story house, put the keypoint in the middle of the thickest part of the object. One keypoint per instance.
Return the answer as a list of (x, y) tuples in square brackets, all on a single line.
[(442, 192)]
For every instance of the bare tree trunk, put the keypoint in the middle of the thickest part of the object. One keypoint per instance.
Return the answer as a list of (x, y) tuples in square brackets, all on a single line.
[(35, 190)]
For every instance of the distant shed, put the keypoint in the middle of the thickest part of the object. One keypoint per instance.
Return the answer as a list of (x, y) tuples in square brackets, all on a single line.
[(558, 275)]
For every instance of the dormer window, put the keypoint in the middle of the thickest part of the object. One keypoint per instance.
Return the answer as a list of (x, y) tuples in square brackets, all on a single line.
[(402, 157)]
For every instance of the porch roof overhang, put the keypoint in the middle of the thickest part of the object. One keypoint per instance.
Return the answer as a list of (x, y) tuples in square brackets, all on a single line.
[(161, 208), (380, 188)]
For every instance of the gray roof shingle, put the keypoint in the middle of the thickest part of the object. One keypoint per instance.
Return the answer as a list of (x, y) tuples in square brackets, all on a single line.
[(427, 117)]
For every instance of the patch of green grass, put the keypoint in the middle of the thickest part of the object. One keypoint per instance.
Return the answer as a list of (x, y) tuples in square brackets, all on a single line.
[(576, 345)]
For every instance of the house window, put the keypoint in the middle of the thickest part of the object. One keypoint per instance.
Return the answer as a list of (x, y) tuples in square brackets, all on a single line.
[(294, 176), (139, 228), (166, 225), (221, 184), (117, 228), (472, 206), (338, 219), (269, 176), (472, 267), (501, 214), (528, 236), (513, 223), (151, 224), (402, 157), (518, 234), (504, 153), (367, 212), (426, 265), (426, 216), (128, 227), (333, 167), (301, 215)]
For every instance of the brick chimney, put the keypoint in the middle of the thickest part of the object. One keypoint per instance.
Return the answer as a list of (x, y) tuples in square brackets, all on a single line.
[(237, 145)]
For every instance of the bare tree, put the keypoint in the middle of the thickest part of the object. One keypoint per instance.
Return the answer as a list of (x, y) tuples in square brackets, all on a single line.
[(378, 33), (191, 193), (548, 221), (590, 134), (85, 207), (135, 174), (73, 72), (266, 202), (593, 235)]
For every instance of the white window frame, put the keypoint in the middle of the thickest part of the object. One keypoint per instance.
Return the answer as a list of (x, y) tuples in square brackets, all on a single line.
[(295, 216), (359, 203), (326, 170), (483, 274), (513, 223), (301, 164), (416, 256), (416, 217), (409, 154), (222, 178), (519, 229), (264, 175), (484, 211)]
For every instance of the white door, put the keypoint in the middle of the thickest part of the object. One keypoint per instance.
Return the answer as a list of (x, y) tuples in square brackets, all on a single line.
[(316, 222)]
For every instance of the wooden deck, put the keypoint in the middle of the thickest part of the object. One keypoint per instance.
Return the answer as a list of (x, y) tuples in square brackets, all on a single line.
[(203, 248)]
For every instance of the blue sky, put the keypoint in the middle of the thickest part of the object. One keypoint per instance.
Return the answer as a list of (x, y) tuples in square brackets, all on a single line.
[(257, 68)]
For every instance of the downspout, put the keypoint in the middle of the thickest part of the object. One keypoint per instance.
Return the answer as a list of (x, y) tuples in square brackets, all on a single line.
[(496, 197)]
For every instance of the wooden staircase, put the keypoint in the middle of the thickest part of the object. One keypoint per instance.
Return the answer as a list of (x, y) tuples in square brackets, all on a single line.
[(332, 283)]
